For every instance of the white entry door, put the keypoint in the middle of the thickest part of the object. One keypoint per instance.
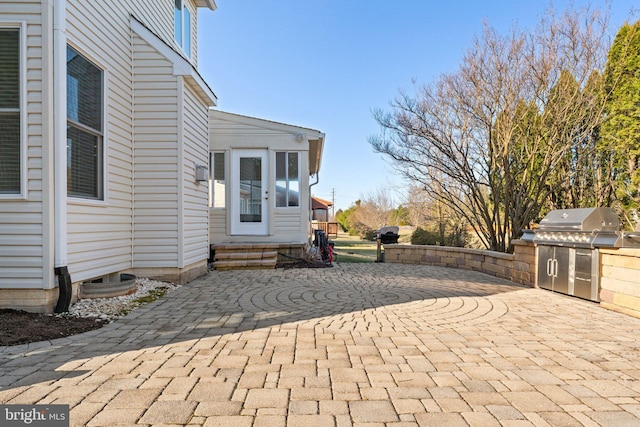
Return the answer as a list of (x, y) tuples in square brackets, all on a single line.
[(249, 197)]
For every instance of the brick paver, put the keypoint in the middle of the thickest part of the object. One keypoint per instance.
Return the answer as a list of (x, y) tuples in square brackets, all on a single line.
[(354, 345)]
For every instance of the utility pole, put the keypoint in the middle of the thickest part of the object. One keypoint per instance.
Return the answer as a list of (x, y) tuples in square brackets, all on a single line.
[(333, 203)]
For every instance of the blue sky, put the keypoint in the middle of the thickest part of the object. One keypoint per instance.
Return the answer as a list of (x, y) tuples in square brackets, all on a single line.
[(327, 64)]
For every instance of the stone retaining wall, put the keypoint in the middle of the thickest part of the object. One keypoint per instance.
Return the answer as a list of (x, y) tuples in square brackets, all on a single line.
[(518, 267), (620, 280), (619, 268)]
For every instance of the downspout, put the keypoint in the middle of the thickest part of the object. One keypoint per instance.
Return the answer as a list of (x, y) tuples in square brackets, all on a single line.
[(311, 209), (60, 154)]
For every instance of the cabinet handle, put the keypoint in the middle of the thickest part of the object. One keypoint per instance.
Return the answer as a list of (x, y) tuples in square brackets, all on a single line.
[(555, 268), (549, 263)]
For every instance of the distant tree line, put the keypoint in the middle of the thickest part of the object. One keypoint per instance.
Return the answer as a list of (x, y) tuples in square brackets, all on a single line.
[(432, 222), (531, 121)]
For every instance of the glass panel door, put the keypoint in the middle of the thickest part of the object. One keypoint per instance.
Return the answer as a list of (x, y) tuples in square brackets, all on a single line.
[(249, 206)]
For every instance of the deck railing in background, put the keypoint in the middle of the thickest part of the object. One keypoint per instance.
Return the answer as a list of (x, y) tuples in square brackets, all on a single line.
[(330, 228)]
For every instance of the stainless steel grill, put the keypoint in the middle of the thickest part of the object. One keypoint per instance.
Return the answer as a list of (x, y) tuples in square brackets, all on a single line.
[(582, 228), (567, 244)]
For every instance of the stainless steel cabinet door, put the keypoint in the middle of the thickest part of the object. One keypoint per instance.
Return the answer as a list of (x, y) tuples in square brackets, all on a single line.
[(546, 266), (561, 279), (583, 285)]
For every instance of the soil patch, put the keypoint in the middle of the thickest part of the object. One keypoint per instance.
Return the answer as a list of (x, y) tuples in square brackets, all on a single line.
[(20, 327), (303, 264)]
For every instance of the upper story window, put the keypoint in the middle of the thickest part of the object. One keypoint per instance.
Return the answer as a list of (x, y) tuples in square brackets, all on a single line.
[(10, 118), (287, 179), (85, 146), (182, 26)]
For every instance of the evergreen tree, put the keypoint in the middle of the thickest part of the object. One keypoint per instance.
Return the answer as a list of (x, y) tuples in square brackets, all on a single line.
[(620, 133)]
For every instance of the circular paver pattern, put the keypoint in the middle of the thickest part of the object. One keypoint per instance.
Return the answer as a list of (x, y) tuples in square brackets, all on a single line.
[(349, 346), (435, 297)]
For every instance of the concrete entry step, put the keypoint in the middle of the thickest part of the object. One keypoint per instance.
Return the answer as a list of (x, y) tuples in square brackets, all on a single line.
[(244, 257)]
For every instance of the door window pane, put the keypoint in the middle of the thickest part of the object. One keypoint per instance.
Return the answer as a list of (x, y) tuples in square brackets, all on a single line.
[(250, 189)]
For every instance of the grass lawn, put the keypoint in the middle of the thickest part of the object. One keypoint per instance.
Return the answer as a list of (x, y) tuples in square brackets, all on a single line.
[(353, 249)]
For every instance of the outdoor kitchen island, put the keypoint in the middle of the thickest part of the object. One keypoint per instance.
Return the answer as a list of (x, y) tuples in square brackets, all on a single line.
[(568, 243)]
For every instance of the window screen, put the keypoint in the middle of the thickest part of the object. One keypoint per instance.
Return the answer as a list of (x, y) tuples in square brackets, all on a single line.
[(84, 127), (10, 111), (218, 184), (182, 26), (287, 179)]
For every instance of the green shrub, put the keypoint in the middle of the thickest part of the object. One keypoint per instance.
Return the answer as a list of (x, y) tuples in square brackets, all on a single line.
[(368, 234), (430, 237), (424, 237)]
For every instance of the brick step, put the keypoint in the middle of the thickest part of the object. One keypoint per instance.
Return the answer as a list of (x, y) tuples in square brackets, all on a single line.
[(245, 256), (245, 264), (245, 247), (220, 256)]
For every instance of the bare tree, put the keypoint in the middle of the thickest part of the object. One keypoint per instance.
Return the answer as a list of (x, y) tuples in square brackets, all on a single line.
[(488, 140), (427, 211), (374, 210), (419, 204)]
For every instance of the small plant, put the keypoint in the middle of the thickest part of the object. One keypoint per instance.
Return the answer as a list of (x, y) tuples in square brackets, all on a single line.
[(153, 295)]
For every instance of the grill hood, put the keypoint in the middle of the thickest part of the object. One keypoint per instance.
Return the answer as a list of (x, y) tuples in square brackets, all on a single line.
[(583, 219), (582, 228)]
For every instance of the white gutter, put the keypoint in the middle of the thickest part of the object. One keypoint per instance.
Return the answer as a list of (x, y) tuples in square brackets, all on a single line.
[(311, 209), (60, 131)]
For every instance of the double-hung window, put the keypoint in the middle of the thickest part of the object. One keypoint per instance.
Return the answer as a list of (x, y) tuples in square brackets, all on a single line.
[(217, 180), (10, 114), (85, 139), (287, 179), (182, 26)]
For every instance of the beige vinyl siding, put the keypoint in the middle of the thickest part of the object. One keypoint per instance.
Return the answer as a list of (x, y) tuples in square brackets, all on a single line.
[(26, 255), (99, 232), (232, 132), (116, 235), (217, 225), (156, 215), (194, 36), (287, 225), (195, 208), (291, 223)]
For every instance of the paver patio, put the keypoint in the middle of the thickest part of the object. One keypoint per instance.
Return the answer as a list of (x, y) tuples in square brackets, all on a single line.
[(354, 345)]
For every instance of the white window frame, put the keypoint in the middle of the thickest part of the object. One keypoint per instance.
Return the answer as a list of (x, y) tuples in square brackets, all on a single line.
[(103, 177), (275, 163), (212, 193), (21, 26), (185, 33)]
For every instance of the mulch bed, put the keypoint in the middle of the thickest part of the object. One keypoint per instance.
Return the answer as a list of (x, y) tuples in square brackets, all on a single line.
[(303, 264), (20, 327)]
